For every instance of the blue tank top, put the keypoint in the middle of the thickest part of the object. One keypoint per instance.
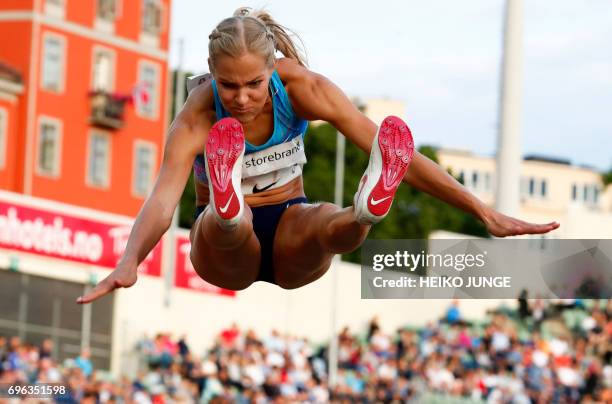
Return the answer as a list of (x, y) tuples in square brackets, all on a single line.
[(287, 125)]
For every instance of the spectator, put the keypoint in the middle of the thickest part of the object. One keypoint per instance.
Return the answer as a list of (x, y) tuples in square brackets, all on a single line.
[(84, 363), (453, 315), (183, 348), (523, 305), (229, 336), (3, 350), (46, 348), (372, 327)]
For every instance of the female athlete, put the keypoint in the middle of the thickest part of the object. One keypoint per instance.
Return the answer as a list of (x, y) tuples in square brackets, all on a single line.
[(241, 131)]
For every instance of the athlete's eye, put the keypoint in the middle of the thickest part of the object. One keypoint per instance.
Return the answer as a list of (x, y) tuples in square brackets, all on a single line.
[(255, 84), (229, 85)]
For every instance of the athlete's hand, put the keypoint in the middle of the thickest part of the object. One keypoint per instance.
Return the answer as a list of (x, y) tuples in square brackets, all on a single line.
[(124, 276), (500, 225)]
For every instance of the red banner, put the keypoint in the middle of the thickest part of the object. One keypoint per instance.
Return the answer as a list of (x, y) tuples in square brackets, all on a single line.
[(49, 233), (185, 275)]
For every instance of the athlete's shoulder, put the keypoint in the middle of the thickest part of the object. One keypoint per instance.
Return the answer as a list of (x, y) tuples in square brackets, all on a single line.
[(290, 71), (200, 102), (304, 87)]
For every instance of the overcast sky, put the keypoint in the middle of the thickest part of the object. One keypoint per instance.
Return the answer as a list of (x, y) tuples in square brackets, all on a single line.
[(442, 58)]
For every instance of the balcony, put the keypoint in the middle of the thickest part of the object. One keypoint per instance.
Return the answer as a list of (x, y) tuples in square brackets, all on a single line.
[(107, 109)]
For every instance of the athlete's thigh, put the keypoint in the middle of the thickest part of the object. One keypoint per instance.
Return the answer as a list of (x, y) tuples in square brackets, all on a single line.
[(299, 258), (233, 269)]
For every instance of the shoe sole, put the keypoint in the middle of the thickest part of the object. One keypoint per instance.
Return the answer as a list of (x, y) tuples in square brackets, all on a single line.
[(224, 152), (392, 152)]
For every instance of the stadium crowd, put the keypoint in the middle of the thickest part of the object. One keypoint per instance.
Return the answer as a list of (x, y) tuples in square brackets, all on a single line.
[(540, 353)]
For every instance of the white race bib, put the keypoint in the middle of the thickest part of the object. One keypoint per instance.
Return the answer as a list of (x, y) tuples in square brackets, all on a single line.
[(273, 167)]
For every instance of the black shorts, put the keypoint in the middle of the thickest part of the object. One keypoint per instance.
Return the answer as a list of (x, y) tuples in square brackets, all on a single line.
[(265, 221)]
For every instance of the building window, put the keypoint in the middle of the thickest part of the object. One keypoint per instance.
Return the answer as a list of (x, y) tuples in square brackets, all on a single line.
[(595, 194), (55, 8), (49, 144), (106, 10), (53, 63), (531, 186), (144, 163), (147, 97), (3, 136), (574, 192), (103, 70), (475, 176), (151, 17), (585, 193), (543, 188), (487, 180), (98, 159)]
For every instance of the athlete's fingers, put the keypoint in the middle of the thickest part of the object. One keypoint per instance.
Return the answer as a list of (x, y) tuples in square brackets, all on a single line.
[(533, 228), (102, 288), (505, 226)]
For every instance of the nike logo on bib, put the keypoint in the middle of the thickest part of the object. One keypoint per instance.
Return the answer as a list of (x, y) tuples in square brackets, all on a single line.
[(257, 190), (223, 209), (375, 202)]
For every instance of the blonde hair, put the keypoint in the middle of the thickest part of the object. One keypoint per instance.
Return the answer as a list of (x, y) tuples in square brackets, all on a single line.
[(253, 31)]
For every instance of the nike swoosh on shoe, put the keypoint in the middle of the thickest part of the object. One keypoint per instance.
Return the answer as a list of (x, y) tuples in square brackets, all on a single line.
[(224, 209)]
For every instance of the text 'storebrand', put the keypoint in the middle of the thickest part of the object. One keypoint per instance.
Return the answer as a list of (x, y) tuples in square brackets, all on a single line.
[(274, 158), (271, 157)]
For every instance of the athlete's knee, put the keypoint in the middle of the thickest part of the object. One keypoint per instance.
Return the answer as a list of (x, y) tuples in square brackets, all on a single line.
[(287, 285), (300, 279), (230, 278)]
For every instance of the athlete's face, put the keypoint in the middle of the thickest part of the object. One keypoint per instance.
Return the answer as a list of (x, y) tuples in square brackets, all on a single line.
[(242, 84)]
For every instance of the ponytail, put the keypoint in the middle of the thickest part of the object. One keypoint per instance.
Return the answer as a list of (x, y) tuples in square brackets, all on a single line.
[(282, 35)]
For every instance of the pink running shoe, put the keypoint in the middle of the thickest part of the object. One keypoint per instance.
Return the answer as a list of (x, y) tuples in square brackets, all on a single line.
[(391, 154), (224, 151)]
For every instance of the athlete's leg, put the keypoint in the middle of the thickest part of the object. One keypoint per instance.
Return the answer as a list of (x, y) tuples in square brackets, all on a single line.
[(308, 236), (225, 251), (225, 258)]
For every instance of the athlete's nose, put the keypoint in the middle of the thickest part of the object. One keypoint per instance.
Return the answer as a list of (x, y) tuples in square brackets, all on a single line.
[(242, 98)]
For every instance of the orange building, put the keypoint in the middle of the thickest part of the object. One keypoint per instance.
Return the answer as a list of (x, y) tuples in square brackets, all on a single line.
[(83, 99)]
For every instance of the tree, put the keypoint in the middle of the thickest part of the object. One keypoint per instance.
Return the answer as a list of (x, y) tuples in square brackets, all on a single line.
[(188, 198), (607, 177), (187, 204), (414, 214)]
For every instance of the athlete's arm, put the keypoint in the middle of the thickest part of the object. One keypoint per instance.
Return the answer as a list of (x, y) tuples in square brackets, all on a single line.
[(315, 97), (186, 138)]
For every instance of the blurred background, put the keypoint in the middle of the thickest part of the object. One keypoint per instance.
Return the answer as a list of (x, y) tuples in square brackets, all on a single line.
[(510, 97)]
